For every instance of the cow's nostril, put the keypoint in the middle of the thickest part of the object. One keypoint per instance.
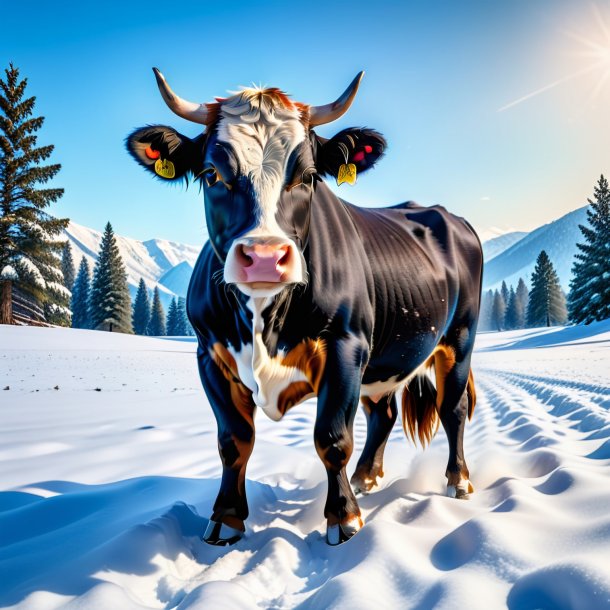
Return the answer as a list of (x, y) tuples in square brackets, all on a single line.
[(285, 257), (243, 257)]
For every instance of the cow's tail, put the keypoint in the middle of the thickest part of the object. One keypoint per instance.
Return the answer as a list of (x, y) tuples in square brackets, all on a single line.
[(420, 410)]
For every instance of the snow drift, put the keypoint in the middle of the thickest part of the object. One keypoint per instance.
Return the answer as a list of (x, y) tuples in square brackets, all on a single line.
[(109, 469)]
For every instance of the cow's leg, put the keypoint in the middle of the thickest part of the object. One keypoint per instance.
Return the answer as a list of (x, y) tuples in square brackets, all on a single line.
[(380, 418), (455, 390), (338, 396), (234, 411)]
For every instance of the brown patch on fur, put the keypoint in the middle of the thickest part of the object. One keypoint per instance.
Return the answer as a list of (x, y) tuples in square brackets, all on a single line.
[(231, 521), (271, 97), (366, 404), (240, 394), (334, 520), (294, 394), (444, 361), (472, 394), (309, 357)]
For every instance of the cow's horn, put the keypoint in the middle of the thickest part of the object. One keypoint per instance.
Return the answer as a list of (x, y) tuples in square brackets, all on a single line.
[(319, 115), (198, 113)]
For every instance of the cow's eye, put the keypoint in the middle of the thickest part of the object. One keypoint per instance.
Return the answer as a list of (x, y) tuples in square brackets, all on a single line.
[(211, 176)]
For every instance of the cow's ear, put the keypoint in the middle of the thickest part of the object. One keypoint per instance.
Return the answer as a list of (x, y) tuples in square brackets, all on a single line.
[(358, 145), (165, 152)]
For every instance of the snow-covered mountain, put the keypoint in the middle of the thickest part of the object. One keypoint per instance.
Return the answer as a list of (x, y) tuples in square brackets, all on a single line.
[(558, 238), (496, 245), (159, 262), (169, 265)]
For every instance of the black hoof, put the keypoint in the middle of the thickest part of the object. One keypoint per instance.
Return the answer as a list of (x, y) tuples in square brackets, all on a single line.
[(462, 494), (342, 532), (220, 534)]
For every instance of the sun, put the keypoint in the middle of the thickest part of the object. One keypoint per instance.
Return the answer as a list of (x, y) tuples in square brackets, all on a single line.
[(594, 51)]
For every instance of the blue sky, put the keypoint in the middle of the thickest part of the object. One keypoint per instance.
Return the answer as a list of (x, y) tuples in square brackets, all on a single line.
[(441, 83)]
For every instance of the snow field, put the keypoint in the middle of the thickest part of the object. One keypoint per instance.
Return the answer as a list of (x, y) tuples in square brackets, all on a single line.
[(106, 484)]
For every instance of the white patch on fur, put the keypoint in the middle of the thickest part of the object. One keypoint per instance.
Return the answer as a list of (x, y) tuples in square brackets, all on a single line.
[(378, 389), (263, 135), (463, 485), (264, 376)]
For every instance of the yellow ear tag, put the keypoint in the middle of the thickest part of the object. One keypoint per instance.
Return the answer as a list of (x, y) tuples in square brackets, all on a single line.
[(347, 173), (165, 168)]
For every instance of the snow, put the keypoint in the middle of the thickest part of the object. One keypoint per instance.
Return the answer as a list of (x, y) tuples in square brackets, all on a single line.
[(31, 268), (496, 245), (9, 273), (109, 469)]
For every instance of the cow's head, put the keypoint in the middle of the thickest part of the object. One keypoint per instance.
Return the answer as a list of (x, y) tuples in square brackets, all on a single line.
[(258, 161)]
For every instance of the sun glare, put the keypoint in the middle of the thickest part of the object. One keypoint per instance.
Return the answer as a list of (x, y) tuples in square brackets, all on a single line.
[(593, 51)]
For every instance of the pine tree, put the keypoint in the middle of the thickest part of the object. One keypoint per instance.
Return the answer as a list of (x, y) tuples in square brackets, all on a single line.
[(589, 297), (522, 294), (498, 311), (487, 299), (547, 304), (186, 330), (505, 293), (173, 319), (110, 303), (80, 296), (510, 316), (29, 250), (67, 266), (141, 310), (156, 326)]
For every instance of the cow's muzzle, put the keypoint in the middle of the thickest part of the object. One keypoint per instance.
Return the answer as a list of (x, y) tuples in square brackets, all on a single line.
[(263, 262)]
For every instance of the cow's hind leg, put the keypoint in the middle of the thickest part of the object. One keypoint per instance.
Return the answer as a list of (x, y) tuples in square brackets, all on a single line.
[(455, 400), (380, 418), (234, 411)]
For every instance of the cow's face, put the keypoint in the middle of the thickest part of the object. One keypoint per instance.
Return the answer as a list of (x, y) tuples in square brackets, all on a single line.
[(258, 162)]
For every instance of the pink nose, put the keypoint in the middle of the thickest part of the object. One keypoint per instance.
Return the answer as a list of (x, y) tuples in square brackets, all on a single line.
[(264, 262)]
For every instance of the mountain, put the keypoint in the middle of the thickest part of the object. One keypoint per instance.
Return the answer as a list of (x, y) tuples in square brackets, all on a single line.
[(496, 245), (177, 278), (159, 262), (558, 238), (169, 265)]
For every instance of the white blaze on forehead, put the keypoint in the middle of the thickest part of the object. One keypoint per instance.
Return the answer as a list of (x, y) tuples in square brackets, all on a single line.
[(263, 133)]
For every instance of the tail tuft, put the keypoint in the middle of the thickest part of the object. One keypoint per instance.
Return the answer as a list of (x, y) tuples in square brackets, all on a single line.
[(419, 414)]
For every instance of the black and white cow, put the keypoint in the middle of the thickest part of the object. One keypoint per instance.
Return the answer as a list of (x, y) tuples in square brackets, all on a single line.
[(300, 294)]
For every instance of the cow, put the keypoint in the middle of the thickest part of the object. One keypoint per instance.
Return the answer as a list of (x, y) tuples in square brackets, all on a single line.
[(299, 293)]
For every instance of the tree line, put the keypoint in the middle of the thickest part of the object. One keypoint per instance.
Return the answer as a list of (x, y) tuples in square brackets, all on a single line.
[(101, 300), (38, 284), (510, 308), (546, 304)]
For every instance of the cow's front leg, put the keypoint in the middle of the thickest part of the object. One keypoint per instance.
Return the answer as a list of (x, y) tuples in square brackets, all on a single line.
[(234, 411), (338, 396)]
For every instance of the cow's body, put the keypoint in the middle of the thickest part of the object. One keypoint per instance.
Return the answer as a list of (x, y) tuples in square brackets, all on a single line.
[(379, 298), (377, 283)]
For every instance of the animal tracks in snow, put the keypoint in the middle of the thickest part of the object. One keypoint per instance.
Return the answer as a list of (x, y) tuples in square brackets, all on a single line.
[(105, 494)]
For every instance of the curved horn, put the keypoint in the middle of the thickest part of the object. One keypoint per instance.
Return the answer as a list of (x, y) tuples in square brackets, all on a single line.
[(319, 115), (197, 113)]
